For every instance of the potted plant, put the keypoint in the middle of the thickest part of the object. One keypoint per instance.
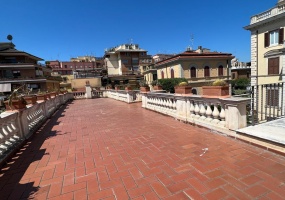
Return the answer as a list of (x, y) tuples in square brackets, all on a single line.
[(41, 96), (217, 88), (15, 101), (144, 86), (128, 87), (30, 98), (108, 86), (117, 87), (183, 88), (156, 85)]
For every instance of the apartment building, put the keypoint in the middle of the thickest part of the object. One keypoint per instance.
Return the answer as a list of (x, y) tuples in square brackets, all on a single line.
[(19, 67), (268, 62), (199, 67)]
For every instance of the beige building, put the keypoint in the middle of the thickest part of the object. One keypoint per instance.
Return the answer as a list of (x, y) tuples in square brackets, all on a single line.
[(199, 67), (125, 59), (267, 45), (268, 61)]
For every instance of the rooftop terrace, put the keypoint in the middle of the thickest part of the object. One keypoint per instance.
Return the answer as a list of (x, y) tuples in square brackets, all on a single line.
[(106, 149)]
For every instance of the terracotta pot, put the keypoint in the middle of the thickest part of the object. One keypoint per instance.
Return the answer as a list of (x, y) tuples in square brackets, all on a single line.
[(157, 87), (128, 88), (31, 99), (144, 89), (42, 97), (183, 89), (16, 104), (53, 94), (215, 90)]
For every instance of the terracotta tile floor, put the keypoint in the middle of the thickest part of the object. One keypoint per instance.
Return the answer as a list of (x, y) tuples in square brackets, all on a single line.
[(105, 149)]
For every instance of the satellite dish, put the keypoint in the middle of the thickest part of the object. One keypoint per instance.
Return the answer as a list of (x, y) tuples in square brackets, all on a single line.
[(10, 37)]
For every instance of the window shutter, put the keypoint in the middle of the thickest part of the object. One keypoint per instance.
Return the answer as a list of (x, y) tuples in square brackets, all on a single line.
[(266, 39), (281, 35)]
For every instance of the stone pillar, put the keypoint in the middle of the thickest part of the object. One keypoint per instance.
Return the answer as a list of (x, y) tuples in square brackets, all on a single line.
[(235, 112), (181, 112), (88, 94)]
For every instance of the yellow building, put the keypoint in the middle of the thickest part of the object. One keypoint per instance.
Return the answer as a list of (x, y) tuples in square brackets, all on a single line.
[(199, 67), (267, 61)]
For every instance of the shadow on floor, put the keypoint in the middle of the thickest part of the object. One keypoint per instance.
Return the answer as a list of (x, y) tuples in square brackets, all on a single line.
[(24, 162)]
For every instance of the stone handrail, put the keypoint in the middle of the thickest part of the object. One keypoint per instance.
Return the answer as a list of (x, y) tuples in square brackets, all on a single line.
[(17, 126), (130, 96), (212, 113), (79, 95), (267, 14)]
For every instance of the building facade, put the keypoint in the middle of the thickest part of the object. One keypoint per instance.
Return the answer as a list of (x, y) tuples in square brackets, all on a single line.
[(268, 62), (199, 67), (267, 45), (240, 69), (19, 67), (125, 59)]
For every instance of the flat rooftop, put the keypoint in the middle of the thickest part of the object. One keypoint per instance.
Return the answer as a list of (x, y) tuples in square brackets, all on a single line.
[(106, 149)]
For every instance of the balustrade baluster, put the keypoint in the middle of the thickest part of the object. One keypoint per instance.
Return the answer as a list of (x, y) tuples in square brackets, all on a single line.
[(202, 110), (216, 114), (197, 110)]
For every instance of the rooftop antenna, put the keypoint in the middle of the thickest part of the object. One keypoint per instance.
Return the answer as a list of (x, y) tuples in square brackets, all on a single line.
[(131, 41), (10, 37), (192, 40)]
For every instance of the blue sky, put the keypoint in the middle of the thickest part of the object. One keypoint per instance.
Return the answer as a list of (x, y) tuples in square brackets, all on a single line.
[(60, 29)]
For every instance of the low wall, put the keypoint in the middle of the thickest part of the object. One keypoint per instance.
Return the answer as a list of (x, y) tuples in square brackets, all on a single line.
[(17, 126), (217, 114)]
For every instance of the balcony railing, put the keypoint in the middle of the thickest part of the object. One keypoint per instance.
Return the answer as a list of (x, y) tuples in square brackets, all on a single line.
[(15, 127), (131, 96), (268, 14), (216, 114)]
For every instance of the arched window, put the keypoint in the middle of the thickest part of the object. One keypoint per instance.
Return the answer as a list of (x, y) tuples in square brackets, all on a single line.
[(221, 70), (162, 75), (193, 72), (206, 71), (194, 91), (172, 73)]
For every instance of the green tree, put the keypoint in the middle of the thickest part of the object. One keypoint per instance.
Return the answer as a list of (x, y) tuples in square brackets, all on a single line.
[(169, 83)]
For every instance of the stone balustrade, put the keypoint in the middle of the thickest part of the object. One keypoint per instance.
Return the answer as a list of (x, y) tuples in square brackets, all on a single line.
[(79, 95), (18, 125), (219, 114), (130, 96), (268, 14)]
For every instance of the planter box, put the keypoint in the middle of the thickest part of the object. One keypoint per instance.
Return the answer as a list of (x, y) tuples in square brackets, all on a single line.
[(157, 87), (128, 88), (215, 90), (144, 89), (42, 97), (53, 94), (31, 99), (16, 104), (183, 89)]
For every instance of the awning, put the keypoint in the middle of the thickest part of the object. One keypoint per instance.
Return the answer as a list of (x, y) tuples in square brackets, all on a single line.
[(5, 87)]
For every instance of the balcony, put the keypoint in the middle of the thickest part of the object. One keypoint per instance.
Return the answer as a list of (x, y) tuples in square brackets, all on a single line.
[(278, 10)]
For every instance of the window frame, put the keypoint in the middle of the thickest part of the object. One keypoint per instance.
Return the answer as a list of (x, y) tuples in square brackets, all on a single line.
[(193, 72), (207, 71)]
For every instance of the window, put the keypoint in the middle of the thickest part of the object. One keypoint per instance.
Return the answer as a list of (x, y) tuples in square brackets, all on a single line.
[(162, 75), (16, 73), (220, 70), (274, 37), (125, 61), (172, 73), (206, 71), (272, 97), (70, 67), (65, 66), (193, 72), (273, 65), (135, 61)]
